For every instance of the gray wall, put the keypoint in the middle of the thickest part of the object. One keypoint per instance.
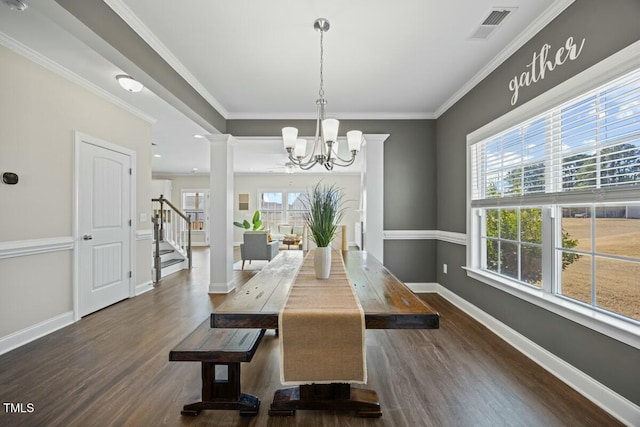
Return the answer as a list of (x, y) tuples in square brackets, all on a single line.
[(409, 184), (608, 27)]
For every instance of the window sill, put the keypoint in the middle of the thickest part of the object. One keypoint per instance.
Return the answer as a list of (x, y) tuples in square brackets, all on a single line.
[(621, 330)]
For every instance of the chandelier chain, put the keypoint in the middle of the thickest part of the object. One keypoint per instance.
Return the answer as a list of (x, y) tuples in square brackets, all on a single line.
[(321, 91)]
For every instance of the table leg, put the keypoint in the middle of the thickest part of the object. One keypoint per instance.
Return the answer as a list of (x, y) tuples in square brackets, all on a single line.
[(221, 394), (332, 397)]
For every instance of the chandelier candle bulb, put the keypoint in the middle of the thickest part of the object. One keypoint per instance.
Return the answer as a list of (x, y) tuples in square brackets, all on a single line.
[(354, 139), (289, 137), (330, 129), (301, 148)]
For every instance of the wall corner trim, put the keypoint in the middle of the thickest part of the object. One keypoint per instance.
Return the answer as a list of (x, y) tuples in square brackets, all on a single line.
[(35, 246), (616, 405), (31, 333)]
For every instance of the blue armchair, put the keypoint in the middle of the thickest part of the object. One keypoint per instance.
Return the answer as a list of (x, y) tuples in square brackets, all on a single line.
[(256, 246)]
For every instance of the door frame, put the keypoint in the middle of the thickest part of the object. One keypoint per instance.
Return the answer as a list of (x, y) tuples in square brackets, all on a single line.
[(81, 138)]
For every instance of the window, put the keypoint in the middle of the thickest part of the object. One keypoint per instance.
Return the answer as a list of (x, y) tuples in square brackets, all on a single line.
[(194, 205), (554, 203), (274, 210)]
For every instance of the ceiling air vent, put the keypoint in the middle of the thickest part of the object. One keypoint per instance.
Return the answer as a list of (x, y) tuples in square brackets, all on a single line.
[(491, 22)]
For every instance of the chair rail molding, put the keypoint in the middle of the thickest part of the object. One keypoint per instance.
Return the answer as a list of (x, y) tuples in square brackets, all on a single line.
[(35, 246), (146, 234), (443, 236)]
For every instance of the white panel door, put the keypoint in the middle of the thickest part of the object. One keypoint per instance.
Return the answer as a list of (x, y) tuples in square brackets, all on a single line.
[(104, 227)]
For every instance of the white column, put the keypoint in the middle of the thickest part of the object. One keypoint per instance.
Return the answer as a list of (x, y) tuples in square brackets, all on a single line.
[(221, 214), (373, 195)]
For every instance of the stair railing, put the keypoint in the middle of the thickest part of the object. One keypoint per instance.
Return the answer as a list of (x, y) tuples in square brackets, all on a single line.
[(173, 226)]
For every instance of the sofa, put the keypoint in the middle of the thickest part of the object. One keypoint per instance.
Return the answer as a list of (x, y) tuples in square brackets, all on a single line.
[(282, 231)]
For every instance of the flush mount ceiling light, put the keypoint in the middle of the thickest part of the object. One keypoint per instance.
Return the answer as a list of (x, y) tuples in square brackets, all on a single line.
[(16, 5), (129, 83), (325, 144)]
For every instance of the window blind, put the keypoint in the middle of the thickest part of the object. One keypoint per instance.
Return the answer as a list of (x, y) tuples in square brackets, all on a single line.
[(583, 150)]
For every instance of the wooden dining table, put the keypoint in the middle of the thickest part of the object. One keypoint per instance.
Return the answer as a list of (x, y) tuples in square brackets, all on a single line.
[(387, 303)]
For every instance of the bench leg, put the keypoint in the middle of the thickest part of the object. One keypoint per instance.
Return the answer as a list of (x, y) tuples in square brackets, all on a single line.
[(223, 394)]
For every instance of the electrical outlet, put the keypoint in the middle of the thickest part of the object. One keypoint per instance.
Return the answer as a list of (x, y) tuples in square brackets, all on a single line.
[(143, 217), (444, 268)]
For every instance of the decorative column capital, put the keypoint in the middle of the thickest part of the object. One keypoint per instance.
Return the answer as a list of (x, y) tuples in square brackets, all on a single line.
[(222, 138)]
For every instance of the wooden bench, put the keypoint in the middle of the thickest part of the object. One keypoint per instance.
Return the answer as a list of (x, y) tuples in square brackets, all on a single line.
[(220, 351)]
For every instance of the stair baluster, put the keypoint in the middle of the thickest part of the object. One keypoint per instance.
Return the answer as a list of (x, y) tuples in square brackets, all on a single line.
[(172, 226)]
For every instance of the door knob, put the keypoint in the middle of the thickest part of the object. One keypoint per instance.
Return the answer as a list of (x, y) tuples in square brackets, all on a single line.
[(87, 237)]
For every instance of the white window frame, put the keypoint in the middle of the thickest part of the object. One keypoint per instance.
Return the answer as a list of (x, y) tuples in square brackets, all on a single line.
[(285, 201), (205, 209), (608, 324)]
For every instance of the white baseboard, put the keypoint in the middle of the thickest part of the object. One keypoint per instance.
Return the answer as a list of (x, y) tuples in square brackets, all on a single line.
[(221, 288), (423, 288), (618, 406), (144, 287), (174, 268), (34, 332)]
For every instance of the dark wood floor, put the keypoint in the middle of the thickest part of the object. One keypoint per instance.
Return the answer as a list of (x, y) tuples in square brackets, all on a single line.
[(112, 369)]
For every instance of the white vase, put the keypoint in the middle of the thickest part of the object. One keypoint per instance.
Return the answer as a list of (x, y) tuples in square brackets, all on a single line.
[(322, 262)]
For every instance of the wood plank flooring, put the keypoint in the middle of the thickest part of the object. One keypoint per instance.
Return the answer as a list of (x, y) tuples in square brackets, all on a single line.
[(112, 369)]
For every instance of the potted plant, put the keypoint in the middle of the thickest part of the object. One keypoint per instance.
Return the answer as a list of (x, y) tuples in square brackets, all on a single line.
[(255, 224), (324, 209)]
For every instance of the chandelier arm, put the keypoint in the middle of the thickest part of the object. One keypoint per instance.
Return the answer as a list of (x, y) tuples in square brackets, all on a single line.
[(337, 156), (296, 161), (330, 151), (346, 162), (309, 166)]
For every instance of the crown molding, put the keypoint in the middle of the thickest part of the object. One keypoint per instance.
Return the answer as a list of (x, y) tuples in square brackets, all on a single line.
[(38, 58), (547, 16), (340, 116), (127, 15)]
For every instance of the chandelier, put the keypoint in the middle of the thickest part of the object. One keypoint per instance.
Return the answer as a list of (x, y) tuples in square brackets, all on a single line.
[(325, 143)]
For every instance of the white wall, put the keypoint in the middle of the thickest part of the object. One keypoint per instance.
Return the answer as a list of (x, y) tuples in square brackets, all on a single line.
[(39, 112)]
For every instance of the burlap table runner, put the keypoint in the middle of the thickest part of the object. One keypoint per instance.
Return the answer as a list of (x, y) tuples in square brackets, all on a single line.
[(322, 329)]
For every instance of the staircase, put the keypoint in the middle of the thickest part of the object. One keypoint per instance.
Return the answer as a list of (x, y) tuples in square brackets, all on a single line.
[(172, 239), (171, 259)]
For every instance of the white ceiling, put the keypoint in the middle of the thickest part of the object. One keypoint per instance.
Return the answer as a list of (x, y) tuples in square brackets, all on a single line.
[(258, 59)]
